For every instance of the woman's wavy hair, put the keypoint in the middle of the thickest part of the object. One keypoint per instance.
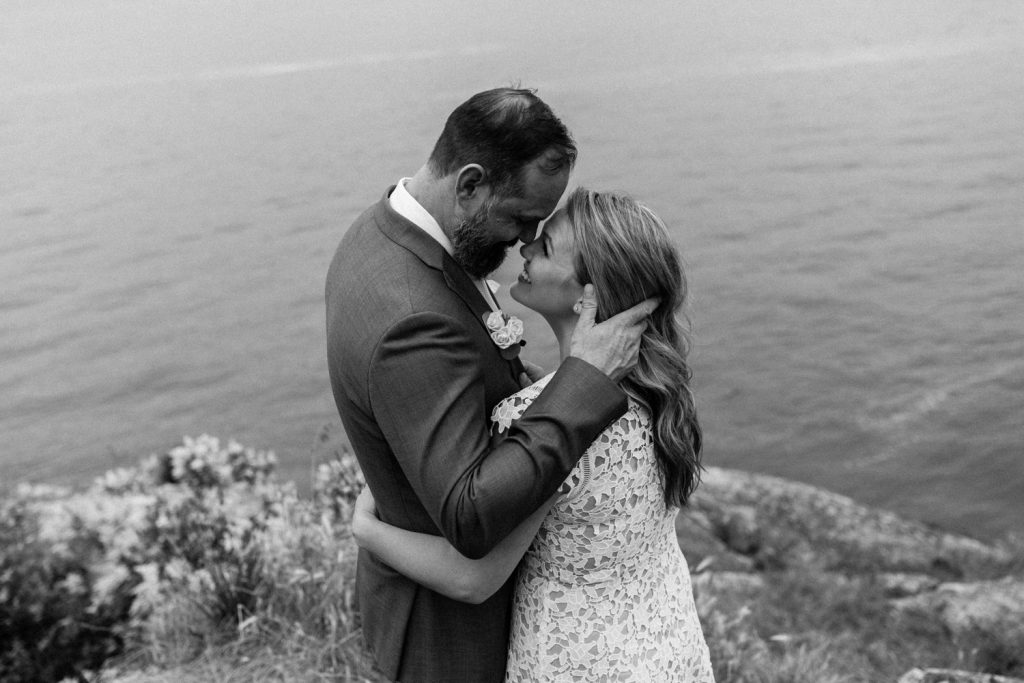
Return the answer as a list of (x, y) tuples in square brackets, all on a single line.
[(624, 249)]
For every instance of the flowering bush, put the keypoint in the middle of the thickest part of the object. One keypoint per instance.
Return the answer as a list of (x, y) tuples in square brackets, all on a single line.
[(50, 620), (337, 484), (203, 527)]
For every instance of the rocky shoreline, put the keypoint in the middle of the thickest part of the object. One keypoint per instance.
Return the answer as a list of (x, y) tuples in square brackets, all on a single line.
[(743, 530)]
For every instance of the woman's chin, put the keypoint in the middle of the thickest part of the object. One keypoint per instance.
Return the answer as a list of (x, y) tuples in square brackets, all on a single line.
[(515, 291)]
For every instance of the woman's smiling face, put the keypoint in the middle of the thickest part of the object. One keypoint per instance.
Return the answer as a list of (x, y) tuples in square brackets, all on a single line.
[(548, 282)]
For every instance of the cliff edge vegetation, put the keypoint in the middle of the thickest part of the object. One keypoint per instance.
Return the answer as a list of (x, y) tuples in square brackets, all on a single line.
[(199, 565)]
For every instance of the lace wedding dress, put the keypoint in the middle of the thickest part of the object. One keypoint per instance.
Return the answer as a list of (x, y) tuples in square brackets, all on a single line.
[(604, 592)]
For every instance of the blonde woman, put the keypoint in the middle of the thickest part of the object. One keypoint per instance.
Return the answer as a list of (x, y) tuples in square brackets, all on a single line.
[(603, 591)]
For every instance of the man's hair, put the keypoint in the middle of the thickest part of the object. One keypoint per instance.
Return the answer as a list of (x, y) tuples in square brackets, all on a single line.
[(503, 130)]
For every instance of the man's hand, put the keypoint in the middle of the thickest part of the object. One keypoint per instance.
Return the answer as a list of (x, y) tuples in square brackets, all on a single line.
[(612, 346)]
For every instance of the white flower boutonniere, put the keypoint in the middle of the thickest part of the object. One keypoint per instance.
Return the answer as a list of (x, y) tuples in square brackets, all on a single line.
[(506, 332)]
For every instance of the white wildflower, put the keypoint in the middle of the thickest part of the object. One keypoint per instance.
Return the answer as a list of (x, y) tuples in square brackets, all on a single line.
[(111, 576), (74, 584), (148, 594)]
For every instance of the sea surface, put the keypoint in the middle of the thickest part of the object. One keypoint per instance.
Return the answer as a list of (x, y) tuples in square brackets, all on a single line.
[(845, 180)]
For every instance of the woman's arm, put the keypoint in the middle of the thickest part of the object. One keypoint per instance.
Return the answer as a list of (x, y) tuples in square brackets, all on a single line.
[(433, 562)]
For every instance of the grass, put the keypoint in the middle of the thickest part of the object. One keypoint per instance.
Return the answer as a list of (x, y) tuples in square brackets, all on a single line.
[(276, 601), (805, 627), (801, 627)]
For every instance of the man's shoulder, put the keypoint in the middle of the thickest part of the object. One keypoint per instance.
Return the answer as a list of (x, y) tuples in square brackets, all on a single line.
[(365, 249), (376, 275), (366, 225), (376, 212)]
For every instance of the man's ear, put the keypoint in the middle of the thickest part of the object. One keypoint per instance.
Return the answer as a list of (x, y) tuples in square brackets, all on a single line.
[(470, 182)]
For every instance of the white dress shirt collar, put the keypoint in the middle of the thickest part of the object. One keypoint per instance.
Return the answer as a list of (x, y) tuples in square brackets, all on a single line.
[(405, 205)]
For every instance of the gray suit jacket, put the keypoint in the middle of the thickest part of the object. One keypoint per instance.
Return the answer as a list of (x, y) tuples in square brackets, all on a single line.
[(415, 376)]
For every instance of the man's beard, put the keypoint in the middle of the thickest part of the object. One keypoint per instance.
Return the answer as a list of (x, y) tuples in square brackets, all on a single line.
[(473, 248)]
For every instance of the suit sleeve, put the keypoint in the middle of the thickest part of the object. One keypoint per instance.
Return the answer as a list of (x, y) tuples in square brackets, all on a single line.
[(426, 391)]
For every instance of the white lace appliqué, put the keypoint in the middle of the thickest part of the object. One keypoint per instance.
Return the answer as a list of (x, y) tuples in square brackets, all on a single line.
[(604, 592)]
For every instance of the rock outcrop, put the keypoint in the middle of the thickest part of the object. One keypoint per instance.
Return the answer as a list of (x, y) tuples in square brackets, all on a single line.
[(976, 609), (747, 520), (741, 527)]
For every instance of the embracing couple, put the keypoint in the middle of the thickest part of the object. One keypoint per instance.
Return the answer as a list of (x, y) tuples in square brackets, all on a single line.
[(516, 525)]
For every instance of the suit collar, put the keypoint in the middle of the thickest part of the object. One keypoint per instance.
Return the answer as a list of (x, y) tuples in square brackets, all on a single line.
[(405, 204), (408, 235)]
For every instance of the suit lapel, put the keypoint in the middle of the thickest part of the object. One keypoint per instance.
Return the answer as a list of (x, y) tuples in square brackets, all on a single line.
[(409, 236), (460, 283)]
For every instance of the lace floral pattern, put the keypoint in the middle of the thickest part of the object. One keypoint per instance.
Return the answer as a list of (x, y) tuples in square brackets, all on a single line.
[(604, 592)]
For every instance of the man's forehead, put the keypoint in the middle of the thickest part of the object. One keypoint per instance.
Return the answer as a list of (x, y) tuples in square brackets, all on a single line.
[(532, 208), (540, 192)]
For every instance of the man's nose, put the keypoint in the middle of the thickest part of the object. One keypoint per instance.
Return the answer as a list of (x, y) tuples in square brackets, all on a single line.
[(529, 233)]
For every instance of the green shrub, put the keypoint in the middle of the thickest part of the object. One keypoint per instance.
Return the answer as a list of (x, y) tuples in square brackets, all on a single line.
[(190, 550), (55, 620)]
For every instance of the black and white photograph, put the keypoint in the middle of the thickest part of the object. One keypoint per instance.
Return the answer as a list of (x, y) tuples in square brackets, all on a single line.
[(535, 342)]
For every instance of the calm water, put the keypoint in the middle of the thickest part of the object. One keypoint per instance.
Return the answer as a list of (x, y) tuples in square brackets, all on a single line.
[(846, 180)]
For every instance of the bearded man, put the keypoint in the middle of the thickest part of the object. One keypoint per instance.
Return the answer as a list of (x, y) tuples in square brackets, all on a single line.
[(415, 374)]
